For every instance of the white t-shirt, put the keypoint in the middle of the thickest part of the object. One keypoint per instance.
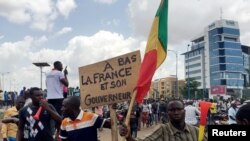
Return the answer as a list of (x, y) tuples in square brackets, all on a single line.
[(191, 115), (54, 85), (145, 108), (232, 112)]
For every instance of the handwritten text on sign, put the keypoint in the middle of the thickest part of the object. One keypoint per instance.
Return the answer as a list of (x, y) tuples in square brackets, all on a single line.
[(109, 81)]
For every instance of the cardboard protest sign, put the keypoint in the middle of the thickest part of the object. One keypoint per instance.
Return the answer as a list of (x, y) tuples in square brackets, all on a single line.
[(109, 81)]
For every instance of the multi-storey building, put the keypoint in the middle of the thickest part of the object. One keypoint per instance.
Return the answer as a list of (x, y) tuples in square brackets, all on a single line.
[(165, 87), (218, 60)]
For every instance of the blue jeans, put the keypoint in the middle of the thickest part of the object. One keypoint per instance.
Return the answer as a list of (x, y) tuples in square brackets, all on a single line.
[(11, 139)]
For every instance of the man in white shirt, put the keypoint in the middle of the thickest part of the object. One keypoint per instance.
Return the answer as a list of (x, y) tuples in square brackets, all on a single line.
[(191, 114), (232, 113), (54, 82)]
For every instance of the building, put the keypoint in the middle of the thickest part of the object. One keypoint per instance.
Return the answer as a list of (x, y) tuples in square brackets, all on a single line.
[(164, 87), (218, 61)]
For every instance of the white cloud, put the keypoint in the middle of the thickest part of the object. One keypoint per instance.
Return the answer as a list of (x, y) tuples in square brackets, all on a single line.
[(65, 6), (40, 40), (181, 23), (113, 22), (64, 30), (185, 21), (105, 1), (80, 51), (40, 14), (1, 36)]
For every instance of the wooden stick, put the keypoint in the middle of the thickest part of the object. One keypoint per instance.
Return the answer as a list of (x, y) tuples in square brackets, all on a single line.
[(113, 119), (131, 105), (127, 120)]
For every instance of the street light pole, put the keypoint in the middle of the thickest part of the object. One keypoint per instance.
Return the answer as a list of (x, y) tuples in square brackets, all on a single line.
[(188, 72), (3, 79), (41, 65), (177, 87)]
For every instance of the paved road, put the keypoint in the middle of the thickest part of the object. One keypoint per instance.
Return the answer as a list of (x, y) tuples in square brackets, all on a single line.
[(105, 135)]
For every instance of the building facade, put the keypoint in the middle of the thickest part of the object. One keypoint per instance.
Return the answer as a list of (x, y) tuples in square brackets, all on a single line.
[(218, 60), (165, 87)]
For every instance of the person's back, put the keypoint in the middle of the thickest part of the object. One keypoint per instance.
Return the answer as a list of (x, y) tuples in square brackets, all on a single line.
[(162, 106), (191, 115), (22, 91), (55, 80), (232, 113), (9, 130), (54, 86), (76, 92)]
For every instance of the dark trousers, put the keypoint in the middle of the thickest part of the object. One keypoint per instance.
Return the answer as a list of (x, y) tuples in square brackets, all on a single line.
[(57, 103)]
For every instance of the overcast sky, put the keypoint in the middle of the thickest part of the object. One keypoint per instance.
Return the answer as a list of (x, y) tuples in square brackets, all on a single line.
[(82, 32)]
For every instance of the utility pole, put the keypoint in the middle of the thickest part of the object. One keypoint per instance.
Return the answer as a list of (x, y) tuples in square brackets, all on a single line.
[(177, 87)]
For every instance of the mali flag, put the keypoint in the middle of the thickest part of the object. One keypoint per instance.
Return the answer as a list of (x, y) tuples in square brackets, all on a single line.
[(156, 51)]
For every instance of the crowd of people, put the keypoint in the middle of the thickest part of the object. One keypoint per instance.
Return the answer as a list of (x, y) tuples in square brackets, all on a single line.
[(60, 117), (57, 118)]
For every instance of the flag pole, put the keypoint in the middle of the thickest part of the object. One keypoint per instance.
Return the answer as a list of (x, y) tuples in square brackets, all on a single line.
[(127, 119), (132, 101)]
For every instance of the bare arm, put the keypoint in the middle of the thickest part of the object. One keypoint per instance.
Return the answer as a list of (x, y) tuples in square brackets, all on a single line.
[(51, 111), (11, 120), (65, 80)]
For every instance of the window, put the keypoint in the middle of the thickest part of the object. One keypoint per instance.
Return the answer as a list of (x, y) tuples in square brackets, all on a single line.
[(222, 59), (233, 52), (222, 52), (218, 38), (236, 60), (223, 67), (195, 71), (196, 78), (193, 66), (193, 59), (231, 31), (162, 83), (231, 39), (231, 23), (223, 82), (232, 75)]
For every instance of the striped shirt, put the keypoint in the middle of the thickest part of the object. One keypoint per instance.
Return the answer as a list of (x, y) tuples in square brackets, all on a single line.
[(167, 132), (83, 127)]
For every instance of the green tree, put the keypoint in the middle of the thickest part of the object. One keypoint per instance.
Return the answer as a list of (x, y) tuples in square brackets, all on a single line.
[(193, 87)]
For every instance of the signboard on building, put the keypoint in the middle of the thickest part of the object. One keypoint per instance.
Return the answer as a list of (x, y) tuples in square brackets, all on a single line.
[(218, 89), (109, 81)]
